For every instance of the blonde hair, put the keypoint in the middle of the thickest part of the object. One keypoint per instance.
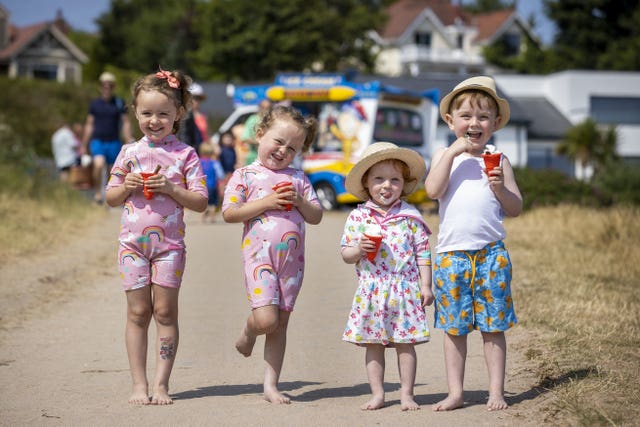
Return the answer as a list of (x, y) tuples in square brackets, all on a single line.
[(477, 98), (281, 112)]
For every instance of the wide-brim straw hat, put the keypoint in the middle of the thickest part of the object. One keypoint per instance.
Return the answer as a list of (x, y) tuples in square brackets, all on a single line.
[(107, 77), (485, 84), (384, 151)]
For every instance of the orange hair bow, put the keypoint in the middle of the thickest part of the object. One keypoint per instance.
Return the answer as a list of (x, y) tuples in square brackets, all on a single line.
[(169, 77)]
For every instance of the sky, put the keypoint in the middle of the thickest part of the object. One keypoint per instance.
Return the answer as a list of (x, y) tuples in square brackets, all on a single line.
[(81, 14)]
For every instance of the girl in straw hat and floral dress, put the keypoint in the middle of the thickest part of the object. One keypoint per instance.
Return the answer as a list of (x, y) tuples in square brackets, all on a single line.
[(472, 269), (394, 276)]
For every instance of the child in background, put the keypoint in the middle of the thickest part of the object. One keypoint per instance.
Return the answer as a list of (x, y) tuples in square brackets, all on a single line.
[(151, 256), (394, 277), (65, 145), (472, 269), (214, 173), (274, 219)]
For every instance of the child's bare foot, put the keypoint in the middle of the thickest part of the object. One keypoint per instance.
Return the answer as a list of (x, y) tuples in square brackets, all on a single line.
[(408, 404), (161, 396), (274, 396), (139, 395), (376, 402), (496, 403), (245, 343), (449, 404)]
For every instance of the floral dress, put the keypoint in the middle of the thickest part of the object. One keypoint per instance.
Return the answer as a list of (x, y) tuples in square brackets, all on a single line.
[(386, 308)]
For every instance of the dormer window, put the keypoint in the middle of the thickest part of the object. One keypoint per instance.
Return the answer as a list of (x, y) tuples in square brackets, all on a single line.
[(511, 43), (423, 38)]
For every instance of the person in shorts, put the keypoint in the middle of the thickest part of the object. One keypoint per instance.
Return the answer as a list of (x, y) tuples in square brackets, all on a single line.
[(472, 269)]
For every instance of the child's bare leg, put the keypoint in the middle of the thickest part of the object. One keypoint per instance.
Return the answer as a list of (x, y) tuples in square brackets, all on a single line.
[(165, 313), (261, 320), (407, 363), (274, 348), (495, 355), (375, 373), (136, 331), (455, 355)]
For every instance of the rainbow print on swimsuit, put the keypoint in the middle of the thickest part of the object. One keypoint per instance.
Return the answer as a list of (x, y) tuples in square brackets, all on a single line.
[(261, 269), (128, 254), (291, 236), (153, 230), (261, 219)]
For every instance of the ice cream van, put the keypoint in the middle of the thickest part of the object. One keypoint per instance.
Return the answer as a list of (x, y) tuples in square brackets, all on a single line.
[(350, 116)]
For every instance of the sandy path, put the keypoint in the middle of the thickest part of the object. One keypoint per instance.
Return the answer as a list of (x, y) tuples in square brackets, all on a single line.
[(63, 360)]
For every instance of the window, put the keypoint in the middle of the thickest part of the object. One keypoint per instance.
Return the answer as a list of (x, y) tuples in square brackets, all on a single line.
[(402, 127), (615, 110), (511, 43), (45, 72), (423, 38)]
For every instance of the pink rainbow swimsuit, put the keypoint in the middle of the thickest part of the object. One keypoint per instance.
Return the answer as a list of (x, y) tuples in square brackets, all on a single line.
[(272, 243), (151, 240)]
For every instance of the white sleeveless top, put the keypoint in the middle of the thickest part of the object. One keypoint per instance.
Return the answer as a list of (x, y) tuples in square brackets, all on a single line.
[(470, 214)]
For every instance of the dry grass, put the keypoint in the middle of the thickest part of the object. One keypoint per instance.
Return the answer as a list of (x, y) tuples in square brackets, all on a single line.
[(28, 225), (577, 288)]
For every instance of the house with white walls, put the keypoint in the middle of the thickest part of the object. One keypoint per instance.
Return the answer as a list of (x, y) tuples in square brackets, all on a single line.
[(610, 98), (431, 36), (41, 50)]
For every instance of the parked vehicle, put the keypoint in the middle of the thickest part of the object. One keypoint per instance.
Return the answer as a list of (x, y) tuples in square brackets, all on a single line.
[(351, 116)]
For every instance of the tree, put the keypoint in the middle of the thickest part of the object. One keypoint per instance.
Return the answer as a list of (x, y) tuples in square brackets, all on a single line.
[(144, 34), (590, 146), (596, 34), (248, 40)]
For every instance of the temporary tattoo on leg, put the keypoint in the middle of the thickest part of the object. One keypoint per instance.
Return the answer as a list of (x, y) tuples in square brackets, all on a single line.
[(167, 350)]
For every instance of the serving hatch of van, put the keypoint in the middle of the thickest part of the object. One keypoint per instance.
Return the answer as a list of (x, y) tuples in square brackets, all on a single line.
[(351, 116)]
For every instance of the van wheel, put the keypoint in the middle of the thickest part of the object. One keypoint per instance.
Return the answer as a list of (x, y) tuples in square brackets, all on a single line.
[(327, 196)]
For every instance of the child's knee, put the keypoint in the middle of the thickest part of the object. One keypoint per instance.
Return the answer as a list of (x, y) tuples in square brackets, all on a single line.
[(140, 315)]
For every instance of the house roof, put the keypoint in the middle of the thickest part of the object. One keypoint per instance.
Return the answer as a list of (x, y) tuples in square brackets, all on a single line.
[(403, 14), (546, 121), (488, 24), (21, 37)]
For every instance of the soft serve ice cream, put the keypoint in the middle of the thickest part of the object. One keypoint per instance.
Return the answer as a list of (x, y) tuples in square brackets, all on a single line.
[(373, 232)]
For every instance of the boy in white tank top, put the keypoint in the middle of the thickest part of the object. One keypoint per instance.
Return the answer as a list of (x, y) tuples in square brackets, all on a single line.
[(472, 270)]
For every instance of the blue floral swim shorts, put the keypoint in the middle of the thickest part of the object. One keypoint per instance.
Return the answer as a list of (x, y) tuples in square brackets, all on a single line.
[(473, 290)]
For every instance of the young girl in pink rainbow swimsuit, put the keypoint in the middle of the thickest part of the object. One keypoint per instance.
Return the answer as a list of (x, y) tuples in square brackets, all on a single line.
[(273, 201), (151, 257)]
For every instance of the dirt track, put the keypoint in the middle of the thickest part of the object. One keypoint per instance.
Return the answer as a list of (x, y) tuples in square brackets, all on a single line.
[(63, 359)]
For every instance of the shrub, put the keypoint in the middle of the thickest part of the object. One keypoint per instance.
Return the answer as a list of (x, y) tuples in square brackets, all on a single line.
[(621, 181), (549, 188)]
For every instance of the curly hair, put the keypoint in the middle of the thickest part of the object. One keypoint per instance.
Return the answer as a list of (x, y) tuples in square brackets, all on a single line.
[(281, 112)]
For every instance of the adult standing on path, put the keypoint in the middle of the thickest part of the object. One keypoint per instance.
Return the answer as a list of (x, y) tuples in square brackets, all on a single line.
[(106, 121)]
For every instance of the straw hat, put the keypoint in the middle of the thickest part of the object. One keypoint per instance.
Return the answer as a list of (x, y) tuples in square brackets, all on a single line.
[(384, 151), (107, 77), (485, 84)]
